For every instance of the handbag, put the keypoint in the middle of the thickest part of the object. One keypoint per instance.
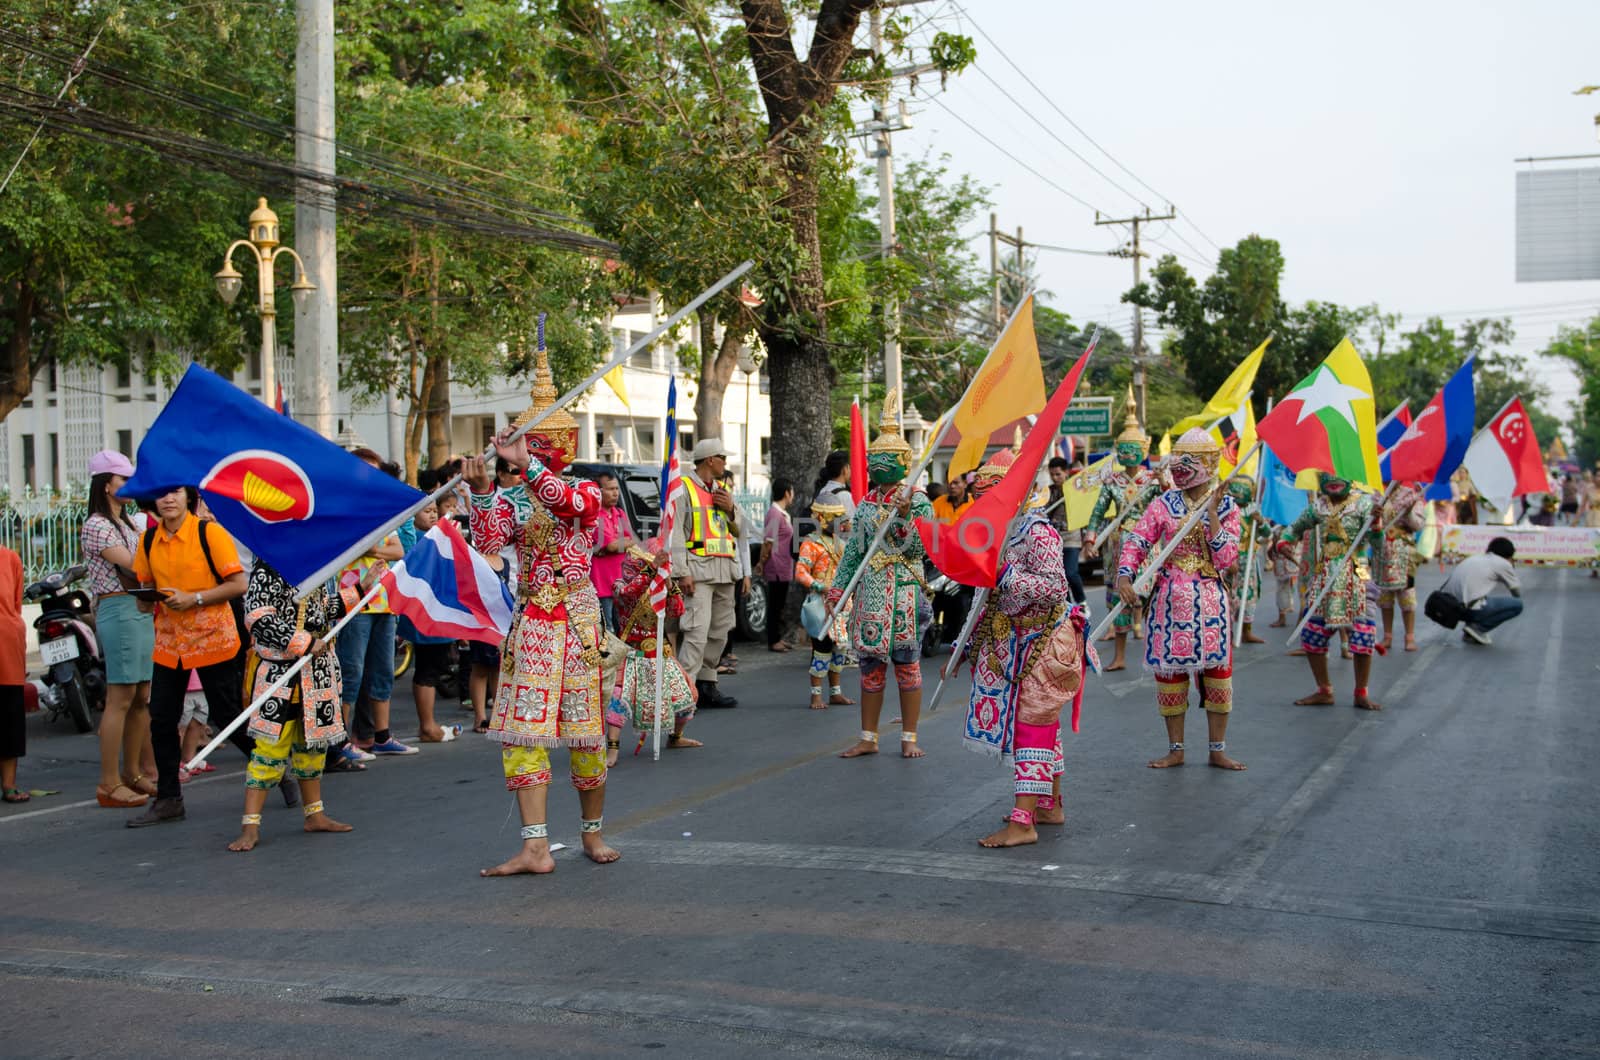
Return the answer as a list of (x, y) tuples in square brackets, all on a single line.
[(1445, 609)]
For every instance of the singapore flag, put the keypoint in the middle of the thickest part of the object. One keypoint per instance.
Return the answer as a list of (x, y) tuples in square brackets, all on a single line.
[(1504, 459)]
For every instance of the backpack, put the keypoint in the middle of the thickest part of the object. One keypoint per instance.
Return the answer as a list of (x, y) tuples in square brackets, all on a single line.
[(1445, 609), (236, 605)]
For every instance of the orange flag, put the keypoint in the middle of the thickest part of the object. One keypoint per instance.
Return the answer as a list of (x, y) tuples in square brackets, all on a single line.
[(1009, 385)]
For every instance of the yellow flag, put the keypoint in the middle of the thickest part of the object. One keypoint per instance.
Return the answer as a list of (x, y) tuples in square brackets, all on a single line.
[(1165, 446), (1245, 423), (1229, 396), (613, 379), (1009, 385), (1082, 490)]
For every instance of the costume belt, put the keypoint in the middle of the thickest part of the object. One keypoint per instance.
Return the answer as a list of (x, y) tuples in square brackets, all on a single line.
[(550, 595), (883, 560)]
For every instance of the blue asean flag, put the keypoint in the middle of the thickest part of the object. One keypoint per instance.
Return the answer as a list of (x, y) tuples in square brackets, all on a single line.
[(1281, 501), (289, 495)]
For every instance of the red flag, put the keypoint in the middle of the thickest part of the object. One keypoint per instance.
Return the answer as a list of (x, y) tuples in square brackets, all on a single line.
[(858, 453), (970, 548)]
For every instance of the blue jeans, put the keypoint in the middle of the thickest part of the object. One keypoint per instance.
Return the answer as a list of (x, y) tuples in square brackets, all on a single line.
[(366, 649), (1069, 557), (1494, 610)]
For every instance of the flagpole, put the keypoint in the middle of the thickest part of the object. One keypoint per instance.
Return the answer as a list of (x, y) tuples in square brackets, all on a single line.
[(959, 648), (1154, 566), (312, 583), (327, 638), (661, 677)]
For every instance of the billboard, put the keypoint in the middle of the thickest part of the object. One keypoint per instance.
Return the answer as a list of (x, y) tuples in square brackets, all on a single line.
[(1558, 225)]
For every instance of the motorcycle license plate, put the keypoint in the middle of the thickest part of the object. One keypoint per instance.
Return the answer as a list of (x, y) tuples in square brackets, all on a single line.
[(60, 650)]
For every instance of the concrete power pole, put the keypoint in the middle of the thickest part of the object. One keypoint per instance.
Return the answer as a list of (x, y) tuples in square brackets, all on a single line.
[(997, 272), (316, 329), (1138, 311)]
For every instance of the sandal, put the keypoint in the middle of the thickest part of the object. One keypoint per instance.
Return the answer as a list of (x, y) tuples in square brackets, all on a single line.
[(142, 784), (18, 795), (481, 726), (344, 765)]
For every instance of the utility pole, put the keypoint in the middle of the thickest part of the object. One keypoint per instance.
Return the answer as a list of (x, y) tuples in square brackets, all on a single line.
[(316, 332), (997, 273), (1138, 311)]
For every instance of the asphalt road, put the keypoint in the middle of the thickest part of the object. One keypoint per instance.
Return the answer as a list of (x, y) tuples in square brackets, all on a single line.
[(1417, 882)]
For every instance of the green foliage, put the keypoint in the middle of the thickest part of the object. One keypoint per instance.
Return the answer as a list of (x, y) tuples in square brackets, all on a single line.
[(1580, 347)]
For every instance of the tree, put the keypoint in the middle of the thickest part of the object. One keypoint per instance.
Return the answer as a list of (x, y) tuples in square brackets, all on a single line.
[(1580, 347)]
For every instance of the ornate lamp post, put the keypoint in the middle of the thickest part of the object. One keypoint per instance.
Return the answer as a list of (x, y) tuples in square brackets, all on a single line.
[(263, 243)]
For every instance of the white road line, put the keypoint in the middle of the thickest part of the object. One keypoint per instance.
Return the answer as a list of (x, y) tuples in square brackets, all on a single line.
[(11, 818)]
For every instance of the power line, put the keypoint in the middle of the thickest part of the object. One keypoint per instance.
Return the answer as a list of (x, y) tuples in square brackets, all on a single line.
[(72, 75), (986, 138)]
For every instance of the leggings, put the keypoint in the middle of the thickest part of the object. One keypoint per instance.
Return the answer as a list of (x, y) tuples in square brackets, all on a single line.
[(529, 767), (1216, 687)]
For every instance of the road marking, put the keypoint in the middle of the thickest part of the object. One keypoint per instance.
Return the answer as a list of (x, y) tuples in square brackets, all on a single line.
[(65, 806)]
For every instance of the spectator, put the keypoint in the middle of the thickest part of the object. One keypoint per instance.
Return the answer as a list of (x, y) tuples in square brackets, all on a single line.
[(936, 490), (193, 731), (833, 485), (612, 536), (948, 509), (1071, 540), (1474, 582), (127, 638), (194, 562), (13, 664), (776, 565), (431, 656), (366, 654)]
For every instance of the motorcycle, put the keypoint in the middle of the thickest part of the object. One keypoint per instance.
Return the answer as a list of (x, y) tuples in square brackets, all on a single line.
[(75, 670), (950, 602)]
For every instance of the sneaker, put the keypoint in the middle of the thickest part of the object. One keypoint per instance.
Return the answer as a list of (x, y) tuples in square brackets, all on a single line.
[(391, 746), (1475, 635), (160, 811), (351, 753)]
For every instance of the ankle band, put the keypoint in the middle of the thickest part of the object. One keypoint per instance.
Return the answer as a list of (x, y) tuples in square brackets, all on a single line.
[(1020, 816), (835, 690), (535, 831), (868, 736), (1218, 745), (592, 826), (1361, 692), (313, 808), (251, 818), (908, 737), (1175, 746), (1047, 802)]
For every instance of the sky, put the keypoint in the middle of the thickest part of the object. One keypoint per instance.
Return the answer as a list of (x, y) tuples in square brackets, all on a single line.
[(1375, 141)]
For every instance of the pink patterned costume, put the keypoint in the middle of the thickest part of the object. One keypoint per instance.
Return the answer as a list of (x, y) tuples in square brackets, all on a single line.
[(1187, 624), (549, 691), (1027, 655)]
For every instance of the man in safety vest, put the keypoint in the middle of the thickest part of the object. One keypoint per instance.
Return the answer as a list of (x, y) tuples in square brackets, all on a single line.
[(705, 548)]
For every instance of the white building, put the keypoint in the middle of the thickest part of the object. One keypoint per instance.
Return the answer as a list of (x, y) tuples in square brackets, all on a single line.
[(76, 411)]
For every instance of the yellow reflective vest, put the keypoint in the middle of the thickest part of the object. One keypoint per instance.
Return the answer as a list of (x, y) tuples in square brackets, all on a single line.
[(707, 533)]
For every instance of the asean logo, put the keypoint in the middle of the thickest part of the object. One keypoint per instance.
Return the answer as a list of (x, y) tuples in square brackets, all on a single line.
[(269, 486)]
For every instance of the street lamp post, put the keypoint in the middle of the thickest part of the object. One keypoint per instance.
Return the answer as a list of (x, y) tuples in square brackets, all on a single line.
[(263, 243)]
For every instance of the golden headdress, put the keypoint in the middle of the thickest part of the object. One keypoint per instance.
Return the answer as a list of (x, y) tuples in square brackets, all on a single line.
[(559, 426), (889, 439), (1199, 441), (1131, 431)]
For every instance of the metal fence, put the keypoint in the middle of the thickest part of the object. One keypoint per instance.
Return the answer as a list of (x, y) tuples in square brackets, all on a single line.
[(43, 526)]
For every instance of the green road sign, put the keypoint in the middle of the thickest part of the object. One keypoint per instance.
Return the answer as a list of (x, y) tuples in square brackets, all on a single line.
[(1087, 419)]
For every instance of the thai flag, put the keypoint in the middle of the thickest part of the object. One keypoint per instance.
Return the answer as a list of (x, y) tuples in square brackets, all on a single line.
[(448, 590), (669, 483)]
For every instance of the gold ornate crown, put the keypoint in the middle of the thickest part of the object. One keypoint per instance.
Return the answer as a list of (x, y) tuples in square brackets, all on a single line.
[(1131, 431), (543, 395), (889, 439)]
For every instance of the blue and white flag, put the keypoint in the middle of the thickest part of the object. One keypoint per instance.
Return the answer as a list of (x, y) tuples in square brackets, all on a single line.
[(1281, 501)]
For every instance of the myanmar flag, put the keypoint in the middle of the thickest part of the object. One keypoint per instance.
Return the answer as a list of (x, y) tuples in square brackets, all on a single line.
[(1328, 422)]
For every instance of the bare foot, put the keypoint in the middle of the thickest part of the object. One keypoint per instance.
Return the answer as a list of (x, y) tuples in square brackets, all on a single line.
[(611, 756), (1280, 624), (534, 857), (862, 747), (1012, 835), (1251, 638), (1055, 816), (1171, 760), (1367, 703), (321, 822), (1222, 761), (1115, 666), (1319, 698), (433, 735), (1344, 653), (817, 703), (841, 700), (1138, 634), (1295, 651), (598, 851), (1411, 642), (911, 750), (685, 741), (895, 720), (1108, 636), (1388, 644), (249, 836)]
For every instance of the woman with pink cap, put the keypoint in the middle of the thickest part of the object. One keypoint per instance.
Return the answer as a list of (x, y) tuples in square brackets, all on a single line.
[(127, 636)]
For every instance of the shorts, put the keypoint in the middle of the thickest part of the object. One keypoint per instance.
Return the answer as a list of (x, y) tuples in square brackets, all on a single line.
[(128, 638), (481, 654), (194, 709), (366, 652), (432, 661)]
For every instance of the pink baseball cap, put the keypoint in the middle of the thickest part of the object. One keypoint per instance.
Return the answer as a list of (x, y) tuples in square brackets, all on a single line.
[(110, 462)]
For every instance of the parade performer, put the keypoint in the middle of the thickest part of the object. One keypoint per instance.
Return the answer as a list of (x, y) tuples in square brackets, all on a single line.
[(1027, 656), (635, 693), (1246, 590), (549, 686), (1124, 494), (1404, 514), (820, 552), (1338, 515), (295, 727), (891, 604), (1188, 625)]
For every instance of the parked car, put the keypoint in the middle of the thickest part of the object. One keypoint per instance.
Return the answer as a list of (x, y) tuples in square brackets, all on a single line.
[(641, 499)]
